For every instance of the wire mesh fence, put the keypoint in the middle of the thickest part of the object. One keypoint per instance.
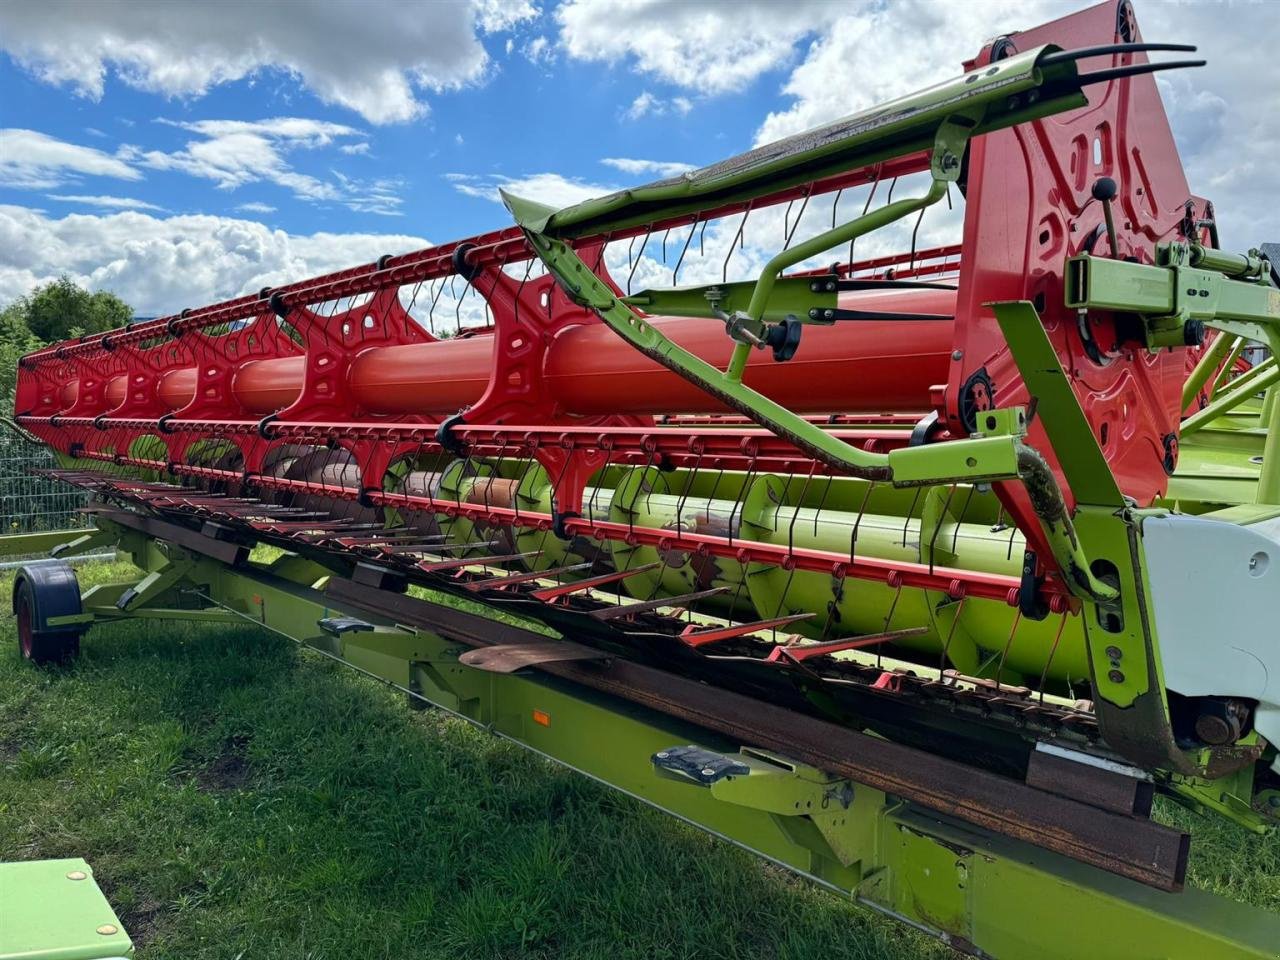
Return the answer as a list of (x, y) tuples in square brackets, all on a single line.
[(30, 503)]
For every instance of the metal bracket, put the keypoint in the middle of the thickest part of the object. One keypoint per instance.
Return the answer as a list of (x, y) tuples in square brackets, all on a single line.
[(776, 785)]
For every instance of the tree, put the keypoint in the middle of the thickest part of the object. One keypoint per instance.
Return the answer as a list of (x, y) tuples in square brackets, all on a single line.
[(62, 309), (15, 341), (53, 311)]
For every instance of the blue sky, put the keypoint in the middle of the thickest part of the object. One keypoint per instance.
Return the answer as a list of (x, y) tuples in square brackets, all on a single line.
[(181, 153), (565, 117)]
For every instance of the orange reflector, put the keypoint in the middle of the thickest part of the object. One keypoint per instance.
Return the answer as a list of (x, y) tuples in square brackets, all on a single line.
[(542, 717)]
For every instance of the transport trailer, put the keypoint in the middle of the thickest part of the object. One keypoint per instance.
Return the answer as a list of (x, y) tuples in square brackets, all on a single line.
[(918, 574)]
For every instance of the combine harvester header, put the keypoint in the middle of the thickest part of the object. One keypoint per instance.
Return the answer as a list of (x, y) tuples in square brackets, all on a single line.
[(919, 574)]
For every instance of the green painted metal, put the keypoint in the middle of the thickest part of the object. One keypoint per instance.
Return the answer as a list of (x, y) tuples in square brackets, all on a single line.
[(947, 152), (1206, 367), (1171, 289), (791, 297), (1192, 284), (31, 544), (1130, 701), (53, 910), (1244, 388), (1097, 498), (1228, 368), (1014, 90), (955, 882)]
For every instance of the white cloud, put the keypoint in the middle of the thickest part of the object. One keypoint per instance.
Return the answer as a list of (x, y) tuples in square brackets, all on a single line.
[(643, 105), (379, 196), (373, 56), (233, 153), (1223, 116), (709, 47), (111, 203), (539, 50), (160, 265), (256, 207), (495, 16), (549, 188), (31, 160), (845, 70), (355, 149), (659, 168), (647, 105)]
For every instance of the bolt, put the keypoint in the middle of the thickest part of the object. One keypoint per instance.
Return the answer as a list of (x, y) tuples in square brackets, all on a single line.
[(1115, 676), (108, 929), (957, 354), (1114, 653), (708, 772), (662, 755), (830, 314), (77, 875)]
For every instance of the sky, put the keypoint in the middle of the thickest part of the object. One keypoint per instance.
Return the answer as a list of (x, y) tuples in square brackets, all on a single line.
[(180, 153)]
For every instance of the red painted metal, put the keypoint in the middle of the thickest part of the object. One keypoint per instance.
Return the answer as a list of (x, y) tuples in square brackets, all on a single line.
[(800, 652), (1028, 207), (582, 369)]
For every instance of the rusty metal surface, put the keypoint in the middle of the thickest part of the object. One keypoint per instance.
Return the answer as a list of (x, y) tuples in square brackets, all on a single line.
[(510, 657), (1107, 789)]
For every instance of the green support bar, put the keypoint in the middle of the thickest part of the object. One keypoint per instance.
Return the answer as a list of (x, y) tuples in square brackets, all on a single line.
[(33, 544), (1207, 366), (1224, 375), (1240, 390)]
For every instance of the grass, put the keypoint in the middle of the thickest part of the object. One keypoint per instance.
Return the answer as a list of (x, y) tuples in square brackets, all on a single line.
[(240, 798)]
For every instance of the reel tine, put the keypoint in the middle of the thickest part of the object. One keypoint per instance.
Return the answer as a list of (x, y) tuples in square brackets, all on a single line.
[(675, 273), (639, 257), (933, 540), (1113, 49), (790, 234), (951, 632), (738, 238), (888, 621), (1134, 70), (1053, 649), (866, 207), (1004, 654)]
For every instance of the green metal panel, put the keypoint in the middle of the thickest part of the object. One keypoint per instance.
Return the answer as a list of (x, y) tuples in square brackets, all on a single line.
[(53, 910), (30, 544)]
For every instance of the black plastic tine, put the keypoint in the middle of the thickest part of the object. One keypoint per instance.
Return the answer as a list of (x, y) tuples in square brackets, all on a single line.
[(1113, 49), (1133, 70)]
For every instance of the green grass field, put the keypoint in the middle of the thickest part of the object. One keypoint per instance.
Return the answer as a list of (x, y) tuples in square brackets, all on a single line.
[(242, 798)]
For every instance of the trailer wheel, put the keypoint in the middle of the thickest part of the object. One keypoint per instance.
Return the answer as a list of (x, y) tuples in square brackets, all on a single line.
[(41, 591)]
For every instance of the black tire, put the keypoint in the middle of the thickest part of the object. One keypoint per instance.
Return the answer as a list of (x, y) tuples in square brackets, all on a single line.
[(40, 646)]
